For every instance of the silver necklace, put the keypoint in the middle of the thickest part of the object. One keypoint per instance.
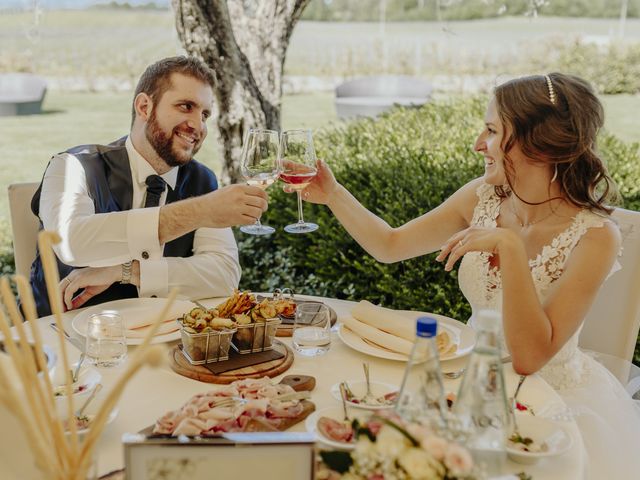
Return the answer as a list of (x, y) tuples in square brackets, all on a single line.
[(527, 224)]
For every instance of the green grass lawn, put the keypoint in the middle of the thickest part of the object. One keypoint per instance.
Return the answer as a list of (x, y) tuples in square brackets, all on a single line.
[(89, 44)]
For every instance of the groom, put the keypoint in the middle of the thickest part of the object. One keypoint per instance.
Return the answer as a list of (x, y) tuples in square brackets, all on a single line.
[(140, 216)]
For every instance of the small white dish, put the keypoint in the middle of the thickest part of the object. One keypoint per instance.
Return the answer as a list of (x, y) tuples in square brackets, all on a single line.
[(336, 413), (88, 379), (359, 388), (92, 416), (540, 430)]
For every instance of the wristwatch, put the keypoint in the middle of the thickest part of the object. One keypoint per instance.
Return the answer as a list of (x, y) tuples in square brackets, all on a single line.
[(126, 272)]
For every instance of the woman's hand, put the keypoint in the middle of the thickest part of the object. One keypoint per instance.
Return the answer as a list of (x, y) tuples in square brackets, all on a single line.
[(475, 239), (322, 187)]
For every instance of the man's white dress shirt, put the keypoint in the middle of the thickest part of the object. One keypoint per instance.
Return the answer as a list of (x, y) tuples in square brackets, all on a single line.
[(99, 240)]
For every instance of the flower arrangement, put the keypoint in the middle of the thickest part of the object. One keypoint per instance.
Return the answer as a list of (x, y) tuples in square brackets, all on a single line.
[(387, 448)]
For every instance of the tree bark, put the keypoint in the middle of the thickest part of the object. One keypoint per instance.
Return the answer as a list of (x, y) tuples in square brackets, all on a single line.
[(245, 43)]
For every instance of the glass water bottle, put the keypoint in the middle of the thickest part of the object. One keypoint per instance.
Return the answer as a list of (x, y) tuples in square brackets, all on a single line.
[(481, 407), (422, 397)]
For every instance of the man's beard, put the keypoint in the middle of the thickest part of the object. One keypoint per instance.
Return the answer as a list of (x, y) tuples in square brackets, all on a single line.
[(163, 144)]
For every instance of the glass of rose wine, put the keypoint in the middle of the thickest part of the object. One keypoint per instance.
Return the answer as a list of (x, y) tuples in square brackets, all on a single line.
[(298, 163), (260, 168)]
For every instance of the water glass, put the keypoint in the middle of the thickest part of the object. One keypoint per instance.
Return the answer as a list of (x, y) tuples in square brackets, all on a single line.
[(312, 329), (106, 343)]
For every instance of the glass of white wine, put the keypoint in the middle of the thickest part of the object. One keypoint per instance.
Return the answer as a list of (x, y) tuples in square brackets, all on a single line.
[(298, 159), (260, 167)]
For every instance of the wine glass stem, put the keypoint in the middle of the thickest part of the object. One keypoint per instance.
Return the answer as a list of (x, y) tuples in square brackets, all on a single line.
[(258, 223), (300, 216)]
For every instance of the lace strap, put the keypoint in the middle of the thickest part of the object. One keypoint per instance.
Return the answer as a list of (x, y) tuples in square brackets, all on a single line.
[(487, 208), (562, 245)]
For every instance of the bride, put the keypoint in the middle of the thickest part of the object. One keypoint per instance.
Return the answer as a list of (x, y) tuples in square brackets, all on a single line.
[(536, 243)]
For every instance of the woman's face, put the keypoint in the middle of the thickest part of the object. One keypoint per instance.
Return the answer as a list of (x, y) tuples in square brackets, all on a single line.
[(489, 144)]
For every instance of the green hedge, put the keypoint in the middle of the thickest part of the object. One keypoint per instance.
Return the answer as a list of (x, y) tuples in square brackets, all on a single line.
[(399, 167), (7, 263)]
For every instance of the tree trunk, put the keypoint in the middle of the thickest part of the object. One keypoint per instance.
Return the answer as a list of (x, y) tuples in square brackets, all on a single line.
[(245, 43)]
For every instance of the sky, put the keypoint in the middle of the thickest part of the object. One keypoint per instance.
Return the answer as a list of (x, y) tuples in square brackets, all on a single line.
[(54, 4)]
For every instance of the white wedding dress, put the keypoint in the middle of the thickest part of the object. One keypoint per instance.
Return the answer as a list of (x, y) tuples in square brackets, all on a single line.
[(609, 420)]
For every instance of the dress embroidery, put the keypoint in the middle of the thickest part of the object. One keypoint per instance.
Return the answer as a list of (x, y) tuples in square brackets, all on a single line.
[(482, 284)]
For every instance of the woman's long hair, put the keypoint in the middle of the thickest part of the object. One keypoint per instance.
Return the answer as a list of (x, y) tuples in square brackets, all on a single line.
[(561, 135)]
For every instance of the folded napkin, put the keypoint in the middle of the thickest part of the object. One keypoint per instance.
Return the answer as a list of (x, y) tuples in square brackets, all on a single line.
[(167, 327), (394, 331), (137, 319), (377, 336), (385, 319)]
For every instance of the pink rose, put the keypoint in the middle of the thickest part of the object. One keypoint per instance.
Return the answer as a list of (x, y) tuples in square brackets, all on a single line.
[(458, 460), (374, 427), (436, 446)]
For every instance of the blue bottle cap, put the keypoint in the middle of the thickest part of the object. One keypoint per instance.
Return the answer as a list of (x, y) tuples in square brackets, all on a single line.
[(426, 327)]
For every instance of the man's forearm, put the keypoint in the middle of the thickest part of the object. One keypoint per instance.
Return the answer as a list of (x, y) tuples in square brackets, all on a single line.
[(180, 218)]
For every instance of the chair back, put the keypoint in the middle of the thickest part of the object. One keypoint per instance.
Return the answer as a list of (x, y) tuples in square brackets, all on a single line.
[(612, 324), (385, 86), (24, 225)]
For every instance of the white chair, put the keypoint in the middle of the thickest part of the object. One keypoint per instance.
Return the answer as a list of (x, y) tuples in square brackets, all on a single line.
[(370, 96), (611, 326), (21, 93), (24, 225)]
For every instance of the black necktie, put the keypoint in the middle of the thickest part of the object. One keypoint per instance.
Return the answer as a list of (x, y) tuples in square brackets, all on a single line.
[(155, 187)]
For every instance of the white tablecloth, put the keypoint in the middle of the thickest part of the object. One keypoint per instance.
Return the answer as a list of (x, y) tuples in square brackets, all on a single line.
[(152, 392)]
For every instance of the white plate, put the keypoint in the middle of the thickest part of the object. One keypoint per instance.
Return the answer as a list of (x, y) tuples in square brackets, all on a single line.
[(337, 414), (132, 309), (540, 430), (466, 338), (359, 388)]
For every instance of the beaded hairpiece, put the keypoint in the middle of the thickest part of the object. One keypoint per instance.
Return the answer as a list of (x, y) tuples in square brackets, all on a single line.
[(552, 92)]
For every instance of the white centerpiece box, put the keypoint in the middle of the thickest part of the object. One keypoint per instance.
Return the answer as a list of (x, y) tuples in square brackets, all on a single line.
[(263, 455)]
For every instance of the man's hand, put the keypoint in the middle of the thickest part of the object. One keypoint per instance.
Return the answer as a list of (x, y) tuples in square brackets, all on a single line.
[(93, 280), (226, 207), (235, 205)]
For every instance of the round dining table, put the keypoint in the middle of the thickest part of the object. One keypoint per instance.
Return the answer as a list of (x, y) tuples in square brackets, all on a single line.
[(153, 392)]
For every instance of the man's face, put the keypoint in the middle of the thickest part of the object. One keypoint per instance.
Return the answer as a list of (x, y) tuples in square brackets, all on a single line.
[(177, 125)]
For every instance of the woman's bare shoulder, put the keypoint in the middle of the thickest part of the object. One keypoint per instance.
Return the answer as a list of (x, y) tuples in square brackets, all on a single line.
[(605, 234)]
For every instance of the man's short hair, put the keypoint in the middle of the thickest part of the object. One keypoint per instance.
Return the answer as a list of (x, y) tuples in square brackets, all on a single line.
[(156, 79)]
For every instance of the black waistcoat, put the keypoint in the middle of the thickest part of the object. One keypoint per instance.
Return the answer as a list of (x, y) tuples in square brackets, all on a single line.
[(110, 187)]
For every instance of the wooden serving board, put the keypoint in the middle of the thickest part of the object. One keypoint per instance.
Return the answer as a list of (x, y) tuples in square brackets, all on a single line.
[(255, 425), (273, 368), (299, 383)]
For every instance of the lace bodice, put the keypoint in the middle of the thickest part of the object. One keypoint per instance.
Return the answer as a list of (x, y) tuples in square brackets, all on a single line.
[(481, 283)]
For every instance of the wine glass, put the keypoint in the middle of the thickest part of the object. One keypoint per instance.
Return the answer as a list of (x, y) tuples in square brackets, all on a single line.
[(260, 167), (298, 160)]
